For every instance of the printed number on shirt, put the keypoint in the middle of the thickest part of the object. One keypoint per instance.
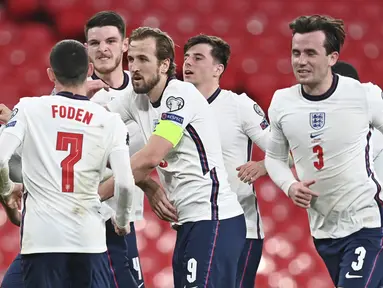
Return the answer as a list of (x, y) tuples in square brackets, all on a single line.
[(71, 142), (318, 150)]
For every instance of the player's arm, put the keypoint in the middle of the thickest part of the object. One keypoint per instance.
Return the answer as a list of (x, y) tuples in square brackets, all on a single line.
[(124, 187), (374, 97), (277, 155), (10, 139), (149, 157)]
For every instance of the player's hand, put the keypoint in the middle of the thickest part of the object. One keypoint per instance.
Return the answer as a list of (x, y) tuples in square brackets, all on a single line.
[(13, 201), (251, 171), (93, 86), (120, 231), (5, 113), (161, 205), (300, 193)]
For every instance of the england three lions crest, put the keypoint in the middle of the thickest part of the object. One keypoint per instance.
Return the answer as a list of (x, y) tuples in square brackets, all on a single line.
[(317, 120)]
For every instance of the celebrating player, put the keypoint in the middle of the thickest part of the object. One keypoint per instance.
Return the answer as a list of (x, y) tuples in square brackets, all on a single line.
[(325, 119), (66, 142), (241, 122), (183, 144)]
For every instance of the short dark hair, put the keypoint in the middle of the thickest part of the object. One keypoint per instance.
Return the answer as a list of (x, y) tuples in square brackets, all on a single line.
[(106, 18), (69, 62), (164, 45), (345, 69), (220, 50), (332, 28)]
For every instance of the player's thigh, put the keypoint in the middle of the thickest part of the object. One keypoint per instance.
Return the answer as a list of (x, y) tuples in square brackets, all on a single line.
[(362, 261), (133, 256), (330, 251), (89, 270), (248, 263), (212, 252), (120, 272), (45, 270), (13, 278)]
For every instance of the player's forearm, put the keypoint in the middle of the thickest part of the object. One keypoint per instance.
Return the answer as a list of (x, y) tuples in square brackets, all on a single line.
[(148, 185), (142, 165), (280, 173)]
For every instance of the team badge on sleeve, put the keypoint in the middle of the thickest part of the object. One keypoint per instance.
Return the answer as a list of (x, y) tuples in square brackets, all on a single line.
[(258, 110), (264, 124), (175, 103), (317, 120), (14, 113)]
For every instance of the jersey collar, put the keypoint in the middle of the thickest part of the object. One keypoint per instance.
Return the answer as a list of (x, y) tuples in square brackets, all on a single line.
[(122, 87), (214, 95), (158, 102), (72, 96), (324, 96)]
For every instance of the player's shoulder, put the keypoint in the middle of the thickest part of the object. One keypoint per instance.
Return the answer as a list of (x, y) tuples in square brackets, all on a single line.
[(372, 88), (179, 87), (29, 102), (285, 94)]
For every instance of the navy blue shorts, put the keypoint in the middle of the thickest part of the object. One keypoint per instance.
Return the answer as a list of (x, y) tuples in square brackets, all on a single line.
[(123, 258), (249, 262), (13, 278), (63, 270), (207, 252), (355, 261)]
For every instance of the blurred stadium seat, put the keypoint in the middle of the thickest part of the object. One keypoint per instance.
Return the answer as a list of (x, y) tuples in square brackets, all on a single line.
[(260, 39)]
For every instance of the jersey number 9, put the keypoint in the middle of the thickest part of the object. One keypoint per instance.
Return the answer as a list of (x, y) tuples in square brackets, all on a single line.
[(75, 153)]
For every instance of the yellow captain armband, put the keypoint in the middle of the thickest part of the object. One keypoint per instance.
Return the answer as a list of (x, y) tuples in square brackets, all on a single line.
[(169, 130)]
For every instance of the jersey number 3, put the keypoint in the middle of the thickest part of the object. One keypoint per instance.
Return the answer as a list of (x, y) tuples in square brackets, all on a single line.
[(317, 149), (75, 140)]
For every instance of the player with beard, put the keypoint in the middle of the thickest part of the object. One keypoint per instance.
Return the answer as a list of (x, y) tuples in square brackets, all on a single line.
[(183, 144), (106, 44)]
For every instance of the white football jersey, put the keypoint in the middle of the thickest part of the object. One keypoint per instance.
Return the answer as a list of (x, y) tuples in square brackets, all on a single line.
[(136, 141), (376, 136), (66, 142), (329, 136), (240, 123), (193, 173)]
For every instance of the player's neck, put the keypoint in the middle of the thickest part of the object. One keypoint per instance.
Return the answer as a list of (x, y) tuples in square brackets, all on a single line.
[(319, 89), (76, 90), (208, 89), (114, 79), (156, 92)]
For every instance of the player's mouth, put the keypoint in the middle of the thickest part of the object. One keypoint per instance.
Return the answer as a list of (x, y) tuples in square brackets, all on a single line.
[(137, 78), (103, 58), (188, 73), (303, 72)]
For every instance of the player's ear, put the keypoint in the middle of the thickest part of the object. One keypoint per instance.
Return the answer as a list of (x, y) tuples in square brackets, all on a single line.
[(51, 75), (165, 66), (86, 45), (333, 58), (219, 70), (125, 45), (90, 69)]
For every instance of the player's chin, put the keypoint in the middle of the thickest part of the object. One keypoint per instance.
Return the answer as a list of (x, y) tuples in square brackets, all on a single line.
[(104, 67)]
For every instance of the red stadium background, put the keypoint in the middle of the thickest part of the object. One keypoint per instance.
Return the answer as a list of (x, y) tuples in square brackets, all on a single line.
[(260, 40)]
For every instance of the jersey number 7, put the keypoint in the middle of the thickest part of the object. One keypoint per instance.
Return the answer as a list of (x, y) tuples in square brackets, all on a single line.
[(75, 153), (317, 149)]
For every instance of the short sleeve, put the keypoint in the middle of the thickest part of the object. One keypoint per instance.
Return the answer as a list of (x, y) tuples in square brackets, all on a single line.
[(120, 134), (253, 119), (374, 97), (17, 123)]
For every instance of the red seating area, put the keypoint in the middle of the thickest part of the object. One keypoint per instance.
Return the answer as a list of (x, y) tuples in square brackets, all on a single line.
[(260, 39)]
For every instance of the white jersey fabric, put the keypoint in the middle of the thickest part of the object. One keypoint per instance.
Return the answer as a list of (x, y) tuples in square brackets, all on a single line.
[(136, 141), (241, 122), (66, 142), (376, 136), (193, 173), (329, 137)]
